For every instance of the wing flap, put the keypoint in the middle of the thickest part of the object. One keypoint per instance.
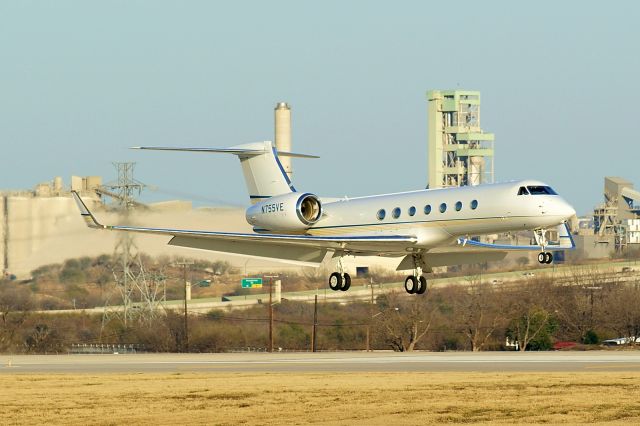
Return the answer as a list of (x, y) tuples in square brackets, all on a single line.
[(307, 256), (355, 242), (451, 258)]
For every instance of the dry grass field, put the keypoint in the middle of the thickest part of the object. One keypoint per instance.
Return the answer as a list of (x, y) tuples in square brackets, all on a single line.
[(330, 398)]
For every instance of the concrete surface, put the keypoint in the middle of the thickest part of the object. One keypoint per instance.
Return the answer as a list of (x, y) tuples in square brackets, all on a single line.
[(590, 361)]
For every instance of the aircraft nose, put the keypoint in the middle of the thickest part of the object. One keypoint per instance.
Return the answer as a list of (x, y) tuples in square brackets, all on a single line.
[(566, 210)]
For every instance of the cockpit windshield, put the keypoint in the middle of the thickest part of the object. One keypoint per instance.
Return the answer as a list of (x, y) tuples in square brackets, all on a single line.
[(523, 191), (541, 190)]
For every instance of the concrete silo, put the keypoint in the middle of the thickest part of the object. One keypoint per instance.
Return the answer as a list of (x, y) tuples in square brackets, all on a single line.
[(283, 134)]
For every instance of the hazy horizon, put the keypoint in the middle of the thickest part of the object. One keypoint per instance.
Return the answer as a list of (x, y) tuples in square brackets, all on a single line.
[(82, 81)]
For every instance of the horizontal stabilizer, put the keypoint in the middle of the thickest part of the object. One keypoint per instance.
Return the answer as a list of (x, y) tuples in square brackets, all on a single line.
[(239, 151), (264, 174)]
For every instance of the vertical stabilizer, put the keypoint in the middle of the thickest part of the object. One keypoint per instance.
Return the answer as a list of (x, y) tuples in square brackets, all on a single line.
[(263, 172)]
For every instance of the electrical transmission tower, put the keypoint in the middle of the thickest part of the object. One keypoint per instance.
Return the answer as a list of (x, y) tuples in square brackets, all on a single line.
[(141, 291)]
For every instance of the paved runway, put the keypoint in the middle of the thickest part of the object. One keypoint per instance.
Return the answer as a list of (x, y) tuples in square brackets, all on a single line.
[(326, 362)]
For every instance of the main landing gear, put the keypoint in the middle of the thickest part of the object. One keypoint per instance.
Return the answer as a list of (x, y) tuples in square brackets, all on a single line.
[(340, 281), (413, 284), (416, 283)]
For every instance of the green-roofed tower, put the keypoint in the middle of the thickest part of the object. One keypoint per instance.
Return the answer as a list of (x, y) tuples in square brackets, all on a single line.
[(460, 153)]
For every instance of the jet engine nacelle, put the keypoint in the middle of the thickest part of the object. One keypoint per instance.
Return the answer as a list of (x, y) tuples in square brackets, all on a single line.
[(288, 212)]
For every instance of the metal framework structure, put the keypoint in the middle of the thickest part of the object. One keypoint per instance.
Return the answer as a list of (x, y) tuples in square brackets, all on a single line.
[(132, 279), (460, 153), (618, 215)]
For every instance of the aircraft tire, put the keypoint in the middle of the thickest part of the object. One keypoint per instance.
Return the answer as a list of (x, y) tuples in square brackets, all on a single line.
[(411, 284), (542, 257), (423, 285), (335, 281), (548, 258), (346, 283)]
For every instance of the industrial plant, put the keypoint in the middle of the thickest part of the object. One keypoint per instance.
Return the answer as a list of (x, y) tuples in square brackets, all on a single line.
[(41, 226), (459, 152), (615, 224)]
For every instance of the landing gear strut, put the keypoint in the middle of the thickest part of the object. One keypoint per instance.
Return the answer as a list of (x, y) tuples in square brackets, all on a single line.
[(340, 281), (416, 283)]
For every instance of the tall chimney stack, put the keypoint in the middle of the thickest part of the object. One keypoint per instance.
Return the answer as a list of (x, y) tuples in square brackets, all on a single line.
[(283, 134)]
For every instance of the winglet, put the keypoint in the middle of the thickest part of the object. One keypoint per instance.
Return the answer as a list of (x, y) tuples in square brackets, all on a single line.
[(89, 219)]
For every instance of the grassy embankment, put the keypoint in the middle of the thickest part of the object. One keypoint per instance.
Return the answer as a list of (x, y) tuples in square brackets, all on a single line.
[(328, 398)]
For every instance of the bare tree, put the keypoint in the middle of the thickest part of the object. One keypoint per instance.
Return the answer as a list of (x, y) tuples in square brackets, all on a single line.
[(42, 339), (623, 312), (15, 304), (578, 301), (479, 313), (316, 275), (405, 320), (529, 311)]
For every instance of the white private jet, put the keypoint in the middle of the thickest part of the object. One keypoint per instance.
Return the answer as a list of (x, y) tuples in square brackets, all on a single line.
[(425, 228)]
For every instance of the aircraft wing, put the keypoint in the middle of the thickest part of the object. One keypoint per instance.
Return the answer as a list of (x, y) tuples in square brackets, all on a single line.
[(301, 249), (470, 251)]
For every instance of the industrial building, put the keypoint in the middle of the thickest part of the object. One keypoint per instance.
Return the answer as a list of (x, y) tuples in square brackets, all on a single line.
[(460, 152), (618, 215), (42, 226), (615, 224)]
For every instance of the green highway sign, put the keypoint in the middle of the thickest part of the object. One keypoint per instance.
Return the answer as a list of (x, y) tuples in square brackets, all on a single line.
[(252, 283)]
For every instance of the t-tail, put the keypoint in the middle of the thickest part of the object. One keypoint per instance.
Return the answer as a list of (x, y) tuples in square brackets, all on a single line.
[(263, 173)]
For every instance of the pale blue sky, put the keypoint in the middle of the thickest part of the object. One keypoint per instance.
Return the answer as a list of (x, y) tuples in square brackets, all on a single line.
[(81, 81)]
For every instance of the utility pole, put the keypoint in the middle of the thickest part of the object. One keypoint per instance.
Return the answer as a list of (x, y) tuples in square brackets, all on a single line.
[(314, 333), (270, 314), (184, 265), (270, 277), (370, 318)]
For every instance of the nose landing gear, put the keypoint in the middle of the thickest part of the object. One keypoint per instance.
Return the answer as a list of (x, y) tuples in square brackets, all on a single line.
[(545, 257)]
